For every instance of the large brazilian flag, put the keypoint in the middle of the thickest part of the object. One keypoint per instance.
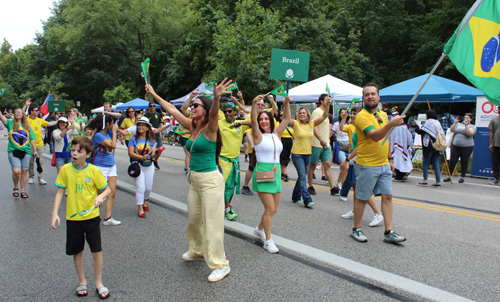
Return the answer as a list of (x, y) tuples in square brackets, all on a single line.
[(474, 48)]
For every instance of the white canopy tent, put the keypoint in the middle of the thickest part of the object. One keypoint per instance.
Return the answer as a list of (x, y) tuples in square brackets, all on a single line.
[(101, 109), (310, 91)]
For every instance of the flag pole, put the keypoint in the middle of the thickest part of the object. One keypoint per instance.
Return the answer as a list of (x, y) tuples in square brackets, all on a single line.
[(416, 95)]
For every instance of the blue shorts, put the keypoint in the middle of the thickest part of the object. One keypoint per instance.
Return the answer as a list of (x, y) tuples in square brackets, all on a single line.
[(373, 181), (17, 163), (320, 153), (61, 161)]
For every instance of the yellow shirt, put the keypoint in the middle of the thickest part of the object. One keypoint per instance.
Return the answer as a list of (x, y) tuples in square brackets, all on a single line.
[(231, 139), (36, 125), (82, 188), (127, 123), (303, 137), (349, 129), (286, 134), (249, 148), (323, 128), (371, 153)]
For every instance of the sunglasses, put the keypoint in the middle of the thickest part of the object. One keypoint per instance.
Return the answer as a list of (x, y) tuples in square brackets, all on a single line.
[(151, 106), (380, 121), (228, 111), (131, 112), (195, 105)]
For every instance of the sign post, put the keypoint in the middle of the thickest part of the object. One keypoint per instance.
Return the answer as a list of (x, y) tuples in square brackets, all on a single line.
[(289, 65)]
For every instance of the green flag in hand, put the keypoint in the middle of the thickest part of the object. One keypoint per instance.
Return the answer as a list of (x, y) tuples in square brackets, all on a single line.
[(145, 69), (474, 48), (279, 91), (327, 89), (232, 86), (2, 90)]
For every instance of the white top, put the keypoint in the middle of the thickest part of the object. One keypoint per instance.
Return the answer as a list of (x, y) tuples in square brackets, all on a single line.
[(264, 151), (341, 135)]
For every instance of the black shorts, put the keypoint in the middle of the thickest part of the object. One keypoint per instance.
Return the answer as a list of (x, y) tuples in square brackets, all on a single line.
[(253, 161), (287, 148), (184, 141), (78, 231)]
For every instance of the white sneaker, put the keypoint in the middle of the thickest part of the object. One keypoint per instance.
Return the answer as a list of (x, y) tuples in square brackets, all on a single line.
[(219, 274), (186, 257), (270, 246), (376, 220), (339, 185), (31, 180), (260, 233), (42, 182), (342, 198), (348, 215), (111, 221)]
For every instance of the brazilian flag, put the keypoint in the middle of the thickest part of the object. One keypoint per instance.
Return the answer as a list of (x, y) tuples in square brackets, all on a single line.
[(209, 86), (2, 90), (328, 89), (474, 48), (145, 69), (279, 91), (232, 86)]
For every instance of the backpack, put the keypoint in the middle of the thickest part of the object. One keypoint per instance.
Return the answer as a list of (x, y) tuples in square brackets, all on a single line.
[(440, 143)]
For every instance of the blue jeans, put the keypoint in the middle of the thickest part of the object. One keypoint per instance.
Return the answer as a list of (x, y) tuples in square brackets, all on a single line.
[(431, 157), (301, 163)]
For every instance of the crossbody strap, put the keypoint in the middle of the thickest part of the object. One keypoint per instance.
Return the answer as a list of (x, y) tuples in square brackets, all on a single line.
[(201, 131)]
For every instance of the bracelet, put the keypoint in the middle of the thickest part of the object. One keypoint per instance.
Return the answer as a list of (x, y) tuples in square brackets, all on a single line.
[(390, 158)]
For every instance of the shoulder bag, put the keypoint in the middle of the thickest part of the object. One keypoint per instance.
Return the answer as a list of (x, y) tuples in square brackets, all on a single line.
[(440, 143)]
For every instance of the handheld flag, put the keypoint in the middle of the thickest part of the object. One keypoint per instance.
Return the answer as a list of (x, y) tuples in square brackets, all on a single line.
[(2, 90), (145, 70), (45, 106), (232, 86), (352, 103), (328, 89), (474, 48), (279, 91), (209, 86)]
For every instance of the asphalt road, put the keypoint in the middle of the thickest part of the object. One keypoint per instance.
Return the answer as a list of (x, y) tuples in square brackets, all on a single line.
[(451, 252)]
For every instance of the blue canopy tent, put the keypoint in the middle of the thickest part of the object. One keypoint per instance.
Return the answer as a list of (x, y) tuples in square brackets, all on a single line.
[(136, 104), (437, 89)]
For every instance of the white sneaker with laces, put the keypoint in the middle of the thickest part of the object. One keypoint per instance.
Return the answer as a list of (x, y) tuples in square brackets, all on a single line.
[(260, 233), (31, 180), (219, 274), (376, 220), (270, 246), (186, 257), (342, 198), (111, 221), (348, 215), (42, 182)]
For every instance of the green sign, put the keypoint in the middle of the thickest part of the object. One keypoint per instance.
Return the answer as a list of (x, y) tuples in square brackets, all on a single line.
[(289, 65), (56, 106)]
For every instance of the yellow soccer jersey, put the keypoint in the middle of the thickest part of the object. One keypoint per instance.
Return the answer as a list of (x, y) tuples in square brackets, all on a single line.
[(36, 125), (231, 139), (303, 138), (371, 153), (127, 123), (349, 129)]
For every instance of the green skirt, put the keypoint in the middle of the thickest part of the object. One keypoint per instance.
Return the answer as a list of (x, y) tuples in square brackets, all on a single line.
[(267, 187)]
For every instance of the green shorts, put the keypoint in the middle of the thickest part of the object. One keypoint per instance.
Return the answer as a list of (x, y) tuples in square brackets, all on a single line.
[(320, 153), (267, 187)]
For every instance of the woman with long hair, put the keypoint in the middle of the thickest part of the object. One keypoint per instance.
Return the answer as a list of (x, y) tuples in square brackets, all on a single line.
[(63, 136), (462, 144), (429, 133), (21, 146), (206, 193), (75, 118), (303, 129), (128, 122), (267, 146), (103, 158)]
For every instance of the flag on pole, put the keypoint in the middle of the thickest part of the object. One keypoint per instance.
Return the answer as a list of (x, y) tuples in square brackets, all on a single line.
[(474, 48), (354, 100), (232, 86), (209, 86), (328, 89), (145, 70), (279, 91), (2, 90), (45, 106)]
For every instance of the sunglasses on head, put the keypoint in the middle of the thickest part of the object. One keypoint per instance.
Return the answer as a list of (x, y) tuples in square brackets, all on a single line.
[(195, 105), (228, 111), (380, 121)]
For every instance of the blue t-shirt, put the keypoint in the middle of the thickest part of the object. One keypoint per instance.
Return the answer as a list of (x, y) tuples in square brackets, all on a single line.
[(66, 151), (142, 146), (103, 156)]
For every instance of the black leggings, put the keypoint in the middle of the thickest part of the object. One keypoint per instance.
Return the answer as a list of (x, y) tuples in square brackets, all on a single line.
[(464, 154)]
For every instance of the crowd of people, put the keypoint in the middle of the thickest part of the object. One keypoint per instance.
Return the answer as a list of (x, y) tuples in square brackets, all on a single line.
[(213, 132)]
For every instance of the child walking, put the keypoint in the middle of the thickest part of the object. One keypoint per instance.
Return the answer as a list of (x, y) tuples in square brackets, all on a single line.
[(83, 181)]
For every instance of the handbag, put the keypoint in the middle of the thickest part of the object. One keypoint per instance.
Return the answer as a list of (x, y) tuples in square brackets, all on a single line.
[(134, 170), (188, 172), (267, 176), (19, 153), (53, 162), (344, 147), (440, 143)]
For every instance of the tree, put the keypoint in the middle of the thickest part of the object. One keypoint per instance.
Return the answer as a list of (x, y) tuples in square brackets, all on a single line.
[(119, 94)]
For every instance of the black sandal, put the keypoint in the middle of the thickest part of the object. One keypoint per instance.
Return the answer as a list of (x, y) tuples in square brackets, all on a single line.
[(14, 193), (24, 195)]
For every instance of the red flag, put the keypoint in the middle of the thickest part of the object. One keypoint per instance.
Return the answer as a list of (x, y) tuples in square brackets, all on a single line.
[(45, 107)]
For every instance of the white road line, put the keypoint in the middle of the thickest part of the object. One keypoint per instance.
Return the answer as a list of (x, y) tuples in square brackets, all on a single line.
[(357, 268)]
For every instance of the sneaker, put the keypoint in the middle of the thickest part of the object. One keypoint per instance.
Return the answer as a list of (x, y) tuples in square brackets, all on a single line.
[(343, 198), (324, 178), (461, 180), (260, 233), (318, 166), (310, 204), (311, 190), (231, 215), (447, 179), (334, 190), (393, 237), (186, 257), (285, 178), (246, 191), (32, 180), (348, 215), (270, 246), (157, 166), (422, 184), (297, 201), (493, 182), (219, 274), (111, 221), (376, 220), (357, 234), (436, 185), (42, 182)]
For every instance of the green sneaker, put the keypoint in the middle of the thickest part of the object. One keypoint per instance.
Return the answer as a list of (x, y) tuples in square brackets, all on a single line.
[(231, 215)]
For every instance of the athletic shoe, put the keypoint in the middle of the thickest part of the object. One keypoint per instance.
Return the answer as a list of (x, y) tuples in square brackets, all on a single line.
[(348, 215), (422, 184), (42, 182), (461, 180), (297, 201), (285, 177), (157, 166), (357, 234), (376, 220), (270, 246), (311, 190), (231, 215), (219, 274), (447, 179), (493, 182), (393, 237), (334, 190), (111, 221), (318, 166), (186, 257), (339, 185), (32, 180), (260, 233), (246, 191), (310, 204), (343, 198), (324, 178), (436, 185)]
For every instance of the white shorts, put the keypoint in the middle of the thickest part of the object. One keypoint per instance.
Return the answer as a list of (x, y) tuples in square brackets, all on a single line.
[(108, 171)]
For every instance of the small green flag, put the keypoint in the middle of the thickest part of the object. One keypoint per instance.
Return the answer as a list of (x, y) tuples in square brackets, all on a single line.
[(352, 103), (209, 86), (279, 91), (232, 86), (474, 48), (327, 89), (2, 90), (145, 69)]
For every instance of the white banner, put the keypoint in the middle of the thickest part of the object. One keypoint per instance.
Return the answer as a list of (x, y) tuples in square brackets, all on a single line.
[(485, 111)]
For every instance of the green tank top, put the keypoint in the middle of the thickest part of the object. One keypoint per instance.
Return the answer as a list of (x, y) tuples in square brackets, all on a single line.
[(202, 154)]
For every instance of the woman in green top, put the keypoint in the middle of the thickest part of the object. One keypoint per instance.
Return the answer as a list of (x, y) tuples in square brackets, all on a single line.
[(21, 146), (206, 195)]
